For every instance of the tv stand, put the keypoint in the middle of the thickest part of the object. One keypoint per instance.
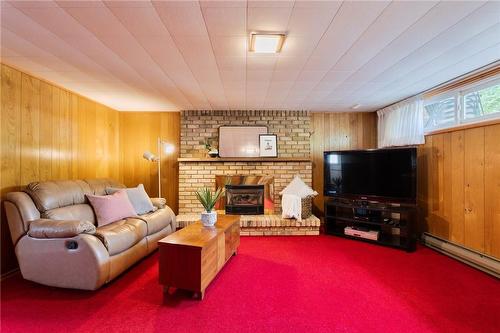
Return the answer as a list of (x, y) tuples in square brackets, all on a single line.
[(394, 222)]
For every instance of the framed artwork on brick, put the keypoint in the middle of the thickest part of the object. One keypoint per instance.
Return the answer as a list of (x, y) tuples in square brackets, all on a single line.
[(268, 145)]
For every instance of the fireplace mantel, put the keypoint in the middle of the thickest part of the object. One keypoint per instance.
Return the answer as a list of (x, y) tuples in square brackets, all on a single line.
[(244, 159)]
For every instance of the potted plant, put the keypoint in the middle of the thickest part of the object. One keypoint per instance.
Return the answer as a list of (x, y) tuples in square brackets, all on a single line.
[(208, 201), (212, 151)]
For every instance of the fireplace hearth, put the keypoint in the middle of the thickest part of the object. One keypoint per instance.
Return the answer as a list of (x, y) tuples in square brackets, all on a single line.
[(244, 199)]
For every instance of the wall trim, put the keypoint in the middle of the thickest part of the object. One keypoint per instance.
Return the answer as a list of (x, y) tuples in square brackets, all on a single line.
[(482, 123)]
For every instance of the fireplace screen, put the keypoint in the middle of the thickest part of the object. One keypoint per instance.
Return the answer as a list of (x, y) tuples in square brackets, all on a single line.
[(245, 199), (262, 181)]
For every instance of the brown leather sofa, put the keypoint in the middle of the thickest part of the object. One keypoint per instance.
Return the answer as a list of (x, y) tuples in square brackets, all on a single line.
[(63, 249)]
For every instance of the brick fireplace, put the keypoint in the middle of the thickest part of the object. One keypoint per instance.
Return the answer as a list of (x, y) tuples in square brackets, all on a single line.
[(194, 174), (196, 169)]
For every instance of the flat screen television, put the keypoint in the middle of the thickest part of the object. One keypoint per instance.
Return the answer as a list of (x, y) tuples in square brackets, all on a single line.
[(386, 175)]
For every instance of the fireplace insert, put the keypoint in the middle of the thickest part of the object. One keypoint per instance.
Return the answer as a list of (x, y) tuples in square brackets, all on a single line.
[(244, 199)]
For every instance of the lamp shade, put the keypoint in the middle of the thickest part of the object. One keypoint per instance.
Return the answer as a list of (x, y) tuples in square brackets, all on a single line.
[(149, 156)]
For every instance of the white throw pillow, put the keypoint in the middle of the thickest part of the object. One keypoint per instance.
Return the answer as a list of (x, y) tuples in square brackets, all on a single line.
[(299, 188)]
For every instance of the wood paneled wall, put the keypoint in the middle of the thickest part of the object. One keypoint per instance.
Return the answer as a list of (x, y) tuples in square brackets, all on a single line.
[(138, 133), (459, 187), (338, 131), (50, 133)]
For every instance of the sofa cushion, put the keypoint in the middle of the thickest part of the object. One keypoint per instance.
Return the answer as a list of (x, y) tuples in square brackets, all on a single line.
[(159, 219), (121, 235), (44, 228), (60, 193), (98, 186), (82, 212), (138, 197), (111, 208)]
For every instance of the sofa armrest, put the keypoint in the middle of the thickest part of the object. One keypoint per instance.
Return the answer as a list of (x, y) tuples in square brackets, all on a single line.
[(46, 228), (80, 262), (159, 202), (20, 210)]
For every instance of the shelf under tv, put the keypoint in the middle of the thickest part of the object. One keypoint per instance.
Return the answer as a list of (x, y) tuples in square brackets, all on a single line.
[(358, 221), (398, 231), (378, 206)]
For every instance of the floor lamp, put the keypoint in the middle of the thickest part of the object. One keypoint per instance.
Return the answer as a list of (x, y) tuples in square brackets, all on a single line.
[(168, 149)]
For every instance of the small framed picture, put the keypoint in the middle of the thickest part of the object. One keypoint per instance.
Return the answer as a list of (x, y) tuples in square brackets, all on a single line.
[(268, 145)]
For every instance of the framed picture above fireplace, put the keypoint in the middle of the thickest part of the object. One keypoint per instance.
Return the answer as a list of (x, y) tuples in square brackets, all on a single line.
[(268, 145), (240, 141)]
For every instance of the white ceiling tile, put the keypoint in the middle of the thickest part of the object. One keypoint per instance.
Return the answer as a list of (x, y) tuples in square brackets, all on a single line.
[(143, 21), (233, 87), (285, 75), (311, 21), (311, 76), (79, 4), (475, 23), (225, 21), (171, 55), (181, 20), (261, 62), (232, 46), (392, 22), (454, 60), (223, 3), (233, 75), (259, 75), (231, 62), (298, 46), (268, 19), (285, 63), (437, 20), (270, 4)]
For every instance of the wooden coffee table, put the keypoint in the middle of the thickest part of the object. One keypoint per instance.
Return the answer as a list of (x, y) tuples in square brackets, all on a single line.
[(191, 257)]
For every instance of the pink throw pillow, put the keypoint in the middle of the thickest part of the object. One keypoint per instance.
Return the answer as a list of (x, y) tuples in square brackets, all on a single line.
[(111, 208)]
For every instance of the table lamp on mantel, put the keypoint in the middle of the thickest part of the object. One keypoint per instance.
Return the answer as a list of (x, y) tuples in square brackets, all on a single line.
[(164, 147)]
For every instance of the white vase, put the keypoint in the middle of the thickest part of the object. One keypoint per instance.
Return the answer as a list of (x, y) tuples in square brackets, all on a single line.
[(213, 152), (209, 219)]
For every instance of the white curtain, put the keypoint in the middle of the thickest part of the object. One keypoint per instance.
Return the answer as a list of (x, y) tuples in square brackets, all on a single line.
[(401, 124)]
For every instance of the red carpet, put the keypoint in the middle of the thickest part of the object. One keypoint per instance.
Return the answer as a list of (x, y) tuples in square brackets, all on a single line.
[(280, 284)]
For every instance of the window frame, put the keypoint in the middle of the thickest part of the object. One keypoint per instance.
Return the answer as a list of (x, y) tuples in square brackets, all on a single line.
[(439, 97), (480, 86), (459, 94)]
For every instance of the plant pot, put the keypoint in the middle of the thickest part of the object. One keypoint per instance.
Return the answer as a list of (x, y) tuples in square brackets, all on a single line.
[(213, 153), (209, 219)]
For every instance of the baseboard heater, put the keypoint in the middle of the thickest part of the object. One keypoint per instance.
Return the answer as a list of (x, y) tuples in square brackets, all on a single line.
[(475, 259)]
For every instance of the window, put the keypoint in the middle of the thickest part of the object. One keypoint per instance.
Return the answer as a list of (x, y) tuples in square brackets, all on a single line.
[(440, 113), (478, 102), (482, 102)]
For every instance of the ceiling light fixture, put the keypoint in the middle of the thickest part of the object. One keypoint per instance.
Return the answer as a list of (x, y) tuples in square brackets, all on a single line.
[(266, 42), (356, 106)]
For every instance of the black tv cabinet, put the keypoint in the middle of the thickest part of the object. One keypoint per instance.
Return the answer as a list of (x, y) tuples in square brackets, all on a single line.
[(394, 222)]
